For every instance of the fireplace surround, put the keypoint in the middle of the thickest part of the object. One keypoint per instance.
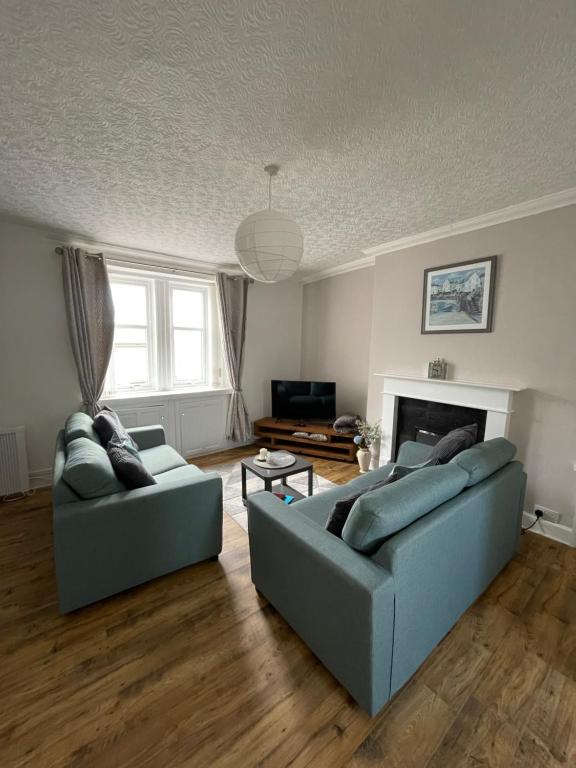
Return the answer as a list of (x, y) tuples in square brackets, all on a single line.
[(493, 401)]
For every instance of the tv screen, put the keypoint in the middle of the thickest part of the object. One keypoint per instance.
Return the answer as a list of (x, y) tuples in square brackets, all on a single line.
[(304, 400)]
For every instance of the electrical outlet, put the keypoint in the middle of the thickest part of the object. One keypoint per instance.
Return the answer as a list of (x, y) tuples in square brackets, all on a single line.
[(547, 514)]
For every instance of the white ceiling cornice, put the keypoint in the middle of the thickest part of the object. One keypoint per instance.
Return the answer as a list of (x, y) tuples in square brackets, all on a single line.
[(341, 269), (510, 213)]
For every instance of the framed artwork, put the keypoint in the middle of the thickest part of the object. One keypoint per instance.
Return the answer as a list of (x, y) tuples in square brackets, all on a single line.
[(459, 298)]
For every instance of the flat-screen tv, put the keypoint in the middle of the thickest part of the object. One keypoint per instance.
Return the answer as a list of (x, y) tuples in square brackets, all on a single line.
[(304, 400)]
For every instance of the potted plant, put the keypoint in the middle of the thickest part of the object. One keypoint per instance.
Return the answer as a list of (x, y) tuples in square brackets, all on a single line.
[(367, 440)]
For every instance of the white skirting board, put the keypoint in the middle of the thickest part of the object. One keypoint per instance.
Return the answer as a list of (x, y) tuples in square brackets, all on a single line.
[(40, 478), (554, 531)]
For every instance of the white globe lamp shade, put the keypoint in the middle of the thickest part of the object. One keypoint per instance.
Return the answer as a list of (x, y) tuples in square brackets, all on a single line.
[(269, 246)]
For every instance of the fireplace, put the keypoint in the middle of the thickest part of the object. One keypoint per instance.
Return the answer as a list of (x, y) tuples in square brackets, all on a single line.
[(418, 408), (426, 421)]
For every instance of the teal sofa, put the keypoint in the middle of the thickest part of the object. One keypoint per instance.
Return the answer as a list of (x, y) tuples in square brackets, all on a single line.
[(109, 543), (373, 616)]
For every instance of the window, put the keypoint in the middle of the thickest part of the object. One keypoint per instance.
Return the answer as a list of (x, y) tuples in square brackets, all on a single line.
[(131, 364), (166, 333)]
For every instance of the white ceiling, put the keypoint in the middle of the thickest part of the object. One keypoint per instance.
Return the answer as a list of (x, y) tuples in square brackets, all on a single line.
[(146, 123)]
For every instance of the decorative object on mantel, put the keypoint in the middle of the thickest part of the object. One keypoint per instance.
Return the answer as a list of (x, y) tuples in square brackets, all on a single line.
[(437, 368), (368, 442), (459, 298), (269, 245)]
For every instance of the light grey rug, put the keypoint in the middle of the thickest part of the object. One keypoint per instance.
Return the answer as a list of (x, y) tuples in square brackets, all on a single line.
[(232, 487)]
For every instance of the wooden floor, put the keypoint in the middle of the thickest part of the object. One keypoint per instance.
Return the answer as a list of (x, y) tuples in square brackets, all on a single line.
[(195, 670)]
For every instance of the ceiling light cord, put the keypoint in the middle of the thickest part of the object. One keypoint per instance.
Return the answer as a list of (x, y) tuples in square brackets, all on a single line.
[(271, 170)]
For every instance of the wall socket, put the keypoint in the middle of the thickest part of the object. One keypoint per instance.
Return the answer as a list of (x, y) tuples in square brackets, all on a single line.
[(548, 514)]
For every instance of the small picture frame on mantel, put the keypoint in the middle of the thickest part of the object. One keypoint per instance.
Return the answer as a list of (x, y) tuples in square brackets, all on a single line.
[(459, 298)]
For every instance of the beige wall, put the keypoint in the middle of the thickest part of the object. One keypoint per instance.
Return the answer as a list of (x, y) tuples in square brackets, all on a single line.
[(337, 316), (273, 334), (38, 382), (532, 344)]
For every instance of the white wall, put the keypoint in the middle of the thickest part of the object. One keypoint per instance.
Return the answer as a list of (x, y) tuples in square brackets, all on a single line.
[(532, 344), (336, 325), (273, 341), (38, 382)]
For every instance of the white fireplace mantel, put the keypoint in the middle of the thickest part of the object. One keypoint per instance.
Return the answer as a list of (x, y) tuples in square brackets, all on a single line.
[(495, 399)]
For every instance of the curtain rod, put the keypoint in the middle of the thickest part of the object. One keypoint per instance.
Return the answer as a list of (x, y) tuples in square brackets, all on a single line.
[(60, 251)]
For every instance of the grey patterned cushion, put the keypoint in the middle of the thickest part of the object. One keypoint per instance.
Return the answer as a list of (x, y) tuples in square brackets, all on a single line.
[(452, 444), (127, 464), (106, 423), (345, 423)]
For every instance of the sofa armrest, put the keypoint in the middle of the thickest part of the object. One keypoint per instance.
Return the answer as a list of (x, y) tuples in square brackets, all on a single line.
[(103, 546), (340, 602), (148, 437)]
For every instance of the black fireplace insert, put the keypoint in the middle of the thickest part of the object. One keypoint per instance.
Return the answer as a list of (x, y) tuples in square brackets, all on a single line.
[(426, 422)]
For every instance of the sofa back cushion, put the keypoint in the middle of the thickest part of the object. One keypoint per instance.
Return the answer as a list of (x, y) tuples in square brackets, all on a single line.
[(381, 513), (412, 453), (88, 470), (483, 459), (80, 425)]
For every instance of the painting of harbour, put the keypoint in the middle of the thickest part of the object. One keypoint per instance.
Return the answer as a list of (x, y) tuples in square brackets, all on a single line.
[(458, 297)]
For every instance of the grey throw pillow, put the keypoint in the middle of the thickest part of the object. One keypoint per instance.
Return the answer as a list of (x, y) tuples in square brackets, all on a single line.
[(345, 423), (127, 463), (452, 444), (106, 422)]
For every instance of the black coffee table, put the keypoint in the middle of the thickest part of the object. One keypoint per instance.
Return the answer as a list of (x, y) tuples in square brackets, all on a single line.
[(282, 473)]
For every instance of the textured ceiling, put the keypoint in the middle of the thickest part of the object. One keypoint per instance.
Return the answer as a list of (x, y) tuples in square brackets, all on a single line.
[(146, 123)]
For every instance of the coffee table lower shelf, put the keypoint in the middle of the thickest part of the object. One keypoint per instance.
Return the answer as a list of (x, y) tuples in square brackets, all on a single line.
[(274, 479)]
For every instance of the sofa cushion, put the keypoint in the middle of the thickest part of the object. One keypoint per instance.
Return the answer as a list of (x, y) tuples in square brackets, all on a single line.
[(161, 458), (342, 507), (483, 459), (318, 507), (411, 453), (380, 513), (127, 464), (80, 425), (88, 470), (179, 474), (106, 423)]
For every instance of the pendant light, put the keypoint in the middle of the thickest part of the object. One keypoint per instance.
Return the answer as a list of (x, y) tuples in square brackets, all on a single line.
[(269, 244)]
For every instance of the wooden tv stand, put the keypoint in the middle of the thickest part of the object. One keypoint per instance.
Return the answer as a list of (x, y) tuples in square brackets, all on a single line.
[(277, 435)]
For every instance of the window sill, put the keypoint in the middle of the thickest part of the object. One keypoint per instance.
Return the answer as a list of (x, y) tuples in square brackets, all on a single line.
[(166, 394)]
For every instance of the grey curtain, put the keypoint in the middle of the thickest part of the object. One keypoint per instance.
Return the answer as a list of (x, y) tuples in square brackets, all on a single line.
[(232, 301), (90, 312)]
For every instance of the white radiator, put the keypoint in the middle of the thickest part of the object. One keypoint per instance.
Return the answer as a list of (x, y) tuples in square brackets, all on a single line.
[(13, 461)]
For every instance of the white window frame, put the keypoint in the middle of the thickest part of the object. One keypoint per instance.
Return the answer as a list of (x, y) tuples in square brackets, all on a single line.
[(160, 333), (179, 286), (152, 382)]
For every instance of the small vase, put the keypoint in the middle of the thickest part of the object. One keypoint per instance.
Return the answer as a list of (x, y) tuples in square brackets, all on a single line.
[(363, 457), (375, 454)]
